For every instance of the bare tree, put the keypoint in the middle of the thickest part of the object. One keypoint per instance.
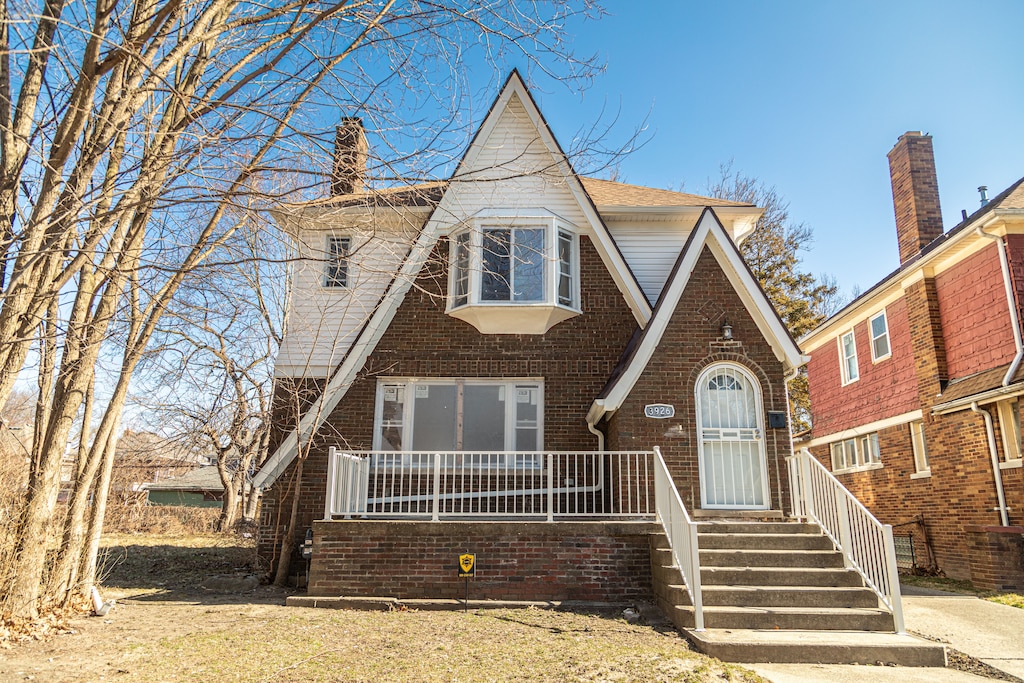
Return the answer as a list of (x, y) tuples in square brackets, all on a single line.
[(136, 139)]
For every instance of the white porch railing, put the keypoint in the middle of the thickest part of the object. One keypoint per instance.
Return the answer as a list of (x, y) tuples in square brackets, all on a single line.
[(866, 543), (681, 533), (421, 484)]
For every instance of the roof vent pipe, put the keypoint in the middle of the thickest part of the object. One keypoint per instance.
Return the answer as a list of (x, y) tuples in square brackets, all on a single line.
[(983, 191)]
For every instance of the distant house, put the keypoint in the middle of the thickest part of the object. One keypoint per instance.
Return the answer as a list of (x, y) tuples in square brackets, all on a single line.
[(916, 385), (201, 487)]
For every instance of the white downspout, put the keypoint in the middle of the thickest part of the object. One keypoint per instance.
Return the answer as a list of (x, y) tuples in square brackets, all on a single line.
[(600, 436), (1014, 321), (995, 462), (786, 379)]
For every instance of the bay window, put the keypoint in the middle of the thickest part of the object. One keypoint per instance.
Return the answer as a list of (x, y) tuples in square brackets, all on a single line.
[(514, 275)]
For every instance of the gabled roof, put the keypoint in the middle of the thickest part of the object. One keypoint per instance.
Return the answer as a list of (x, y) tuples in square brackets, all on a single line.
[(445, 209), (1008, 202), (200, 479), (708, 232)]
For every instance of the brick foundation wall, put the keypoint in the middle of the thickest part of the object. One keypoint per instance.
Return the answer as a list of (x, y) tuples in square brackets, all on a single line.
[(605, 562), (997, 557), (691, 342)]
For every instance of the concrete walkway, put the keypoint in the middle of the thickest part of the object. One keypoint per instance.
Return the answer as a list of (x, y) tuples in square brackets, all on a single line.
[(984, 630)]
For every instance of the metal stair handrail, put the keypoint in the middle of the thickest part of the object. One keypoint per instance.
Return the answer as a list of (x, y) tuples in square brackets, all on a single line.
[(681, 532), (865, 543)]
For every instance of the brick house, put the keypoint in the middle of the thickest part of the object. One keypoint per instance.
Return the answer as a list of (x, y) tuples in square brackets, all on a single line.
[(536, 332), (915, 384)]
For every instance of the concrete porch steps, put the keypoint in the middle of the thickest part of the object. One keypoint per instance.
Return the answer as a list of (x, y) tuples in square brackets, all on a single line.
[(778, 592)]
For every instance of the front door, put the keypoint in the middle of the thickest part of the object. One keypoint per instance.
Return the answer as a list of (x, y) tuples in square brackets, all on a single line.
[(732, 457)]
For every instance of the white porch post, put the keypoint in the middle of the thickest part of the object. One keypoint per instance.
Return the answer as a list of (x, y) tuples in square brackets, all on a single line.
[(436, 514), (551, 488), (332, 466)]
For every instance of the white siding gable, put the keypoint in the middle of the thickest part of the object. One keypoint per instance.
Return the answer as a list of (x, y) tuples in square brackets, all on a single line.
[(324, 321)]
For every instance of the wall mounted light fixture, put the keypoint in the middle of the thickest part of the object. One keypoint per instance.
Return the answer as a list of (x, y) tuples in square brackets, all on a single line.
[(726, 330)]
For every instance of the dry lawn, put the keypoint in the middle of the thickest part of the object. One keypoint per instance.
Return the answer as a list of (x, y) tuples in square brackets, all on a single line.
[(167, 627)]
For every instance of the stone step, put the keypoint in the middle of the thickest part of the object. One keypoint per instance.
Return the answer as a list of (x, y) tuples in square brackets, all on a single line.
[(765, 541), (778, 576), (735, 527), (788, 618), (822, 647), (788, 596), (770, 558)]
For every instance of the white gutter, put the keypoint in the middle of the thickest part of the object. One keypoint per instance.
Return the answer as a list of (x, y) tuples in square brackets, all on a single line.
[(996, 473), (1014, 321)]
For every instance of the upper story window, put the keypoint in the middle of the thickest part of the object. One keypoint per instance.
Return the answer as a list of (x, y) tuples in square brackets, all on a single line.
[(848, 358), (878, 325), (336, 270), (514, 275)]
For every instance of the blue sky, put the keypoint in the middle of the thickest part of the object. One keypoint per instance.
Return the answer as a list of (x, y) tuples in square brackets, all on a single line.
[(809, 97)]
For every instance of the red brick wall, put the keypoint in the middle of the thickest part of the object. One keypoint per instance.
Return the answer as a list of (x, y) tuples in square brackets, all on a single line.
[(885, 388), (1015, 260), (575, 359), (975, 317), (959, 493), (997, 557), (691, 342), (606, 562)]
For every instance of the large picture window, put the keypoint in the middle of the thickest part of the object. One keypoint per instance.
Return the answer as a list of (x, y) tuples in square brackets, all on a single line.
[(449, 415)]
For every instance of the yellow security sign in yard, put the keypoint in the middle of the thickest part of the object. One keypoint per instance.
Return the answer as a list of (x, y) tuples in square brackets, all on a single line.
[(467, 566)]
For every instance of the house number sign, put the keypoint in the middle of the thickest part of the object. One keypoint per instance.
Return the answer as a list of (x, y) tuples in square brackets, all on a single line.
[(659, 411)]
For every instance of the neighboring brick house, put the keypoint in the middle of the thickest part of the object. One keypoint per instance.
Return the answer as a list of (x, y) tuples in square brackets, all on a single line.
[(520, 308), (915, 385)]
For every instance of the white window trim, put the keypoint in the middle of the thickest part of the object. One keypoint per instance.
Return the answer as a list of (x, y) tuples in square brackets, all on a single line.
[(888, 338), (864, 462), (1011, 447), (409, 406), (843, 370), (919, 472), (330, 261), (552, 226)]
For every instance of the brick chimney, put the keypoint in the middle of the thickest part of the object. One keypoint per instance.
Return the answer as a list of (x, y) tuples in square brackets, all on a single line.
[(350, 157), (915, 193)]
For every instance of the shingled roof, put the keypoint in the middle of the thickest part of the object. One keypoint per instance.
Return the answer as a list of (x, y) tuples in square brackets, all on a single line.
[(602, 192)]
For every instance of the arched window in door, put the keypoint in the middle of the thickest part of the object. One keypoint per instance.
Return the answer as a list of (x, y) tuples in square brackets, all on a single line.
[(733, 466)]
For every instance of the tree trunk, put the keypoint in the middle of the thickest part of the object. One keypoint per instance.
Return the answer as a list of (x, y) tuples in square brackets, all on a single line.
[(99, 509), (288, 542)]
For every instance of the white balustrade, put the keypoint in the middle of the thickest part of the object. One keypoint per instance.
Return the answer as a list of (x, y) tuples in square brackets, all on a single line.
[(427, 484), (681, 532), (866, 544)]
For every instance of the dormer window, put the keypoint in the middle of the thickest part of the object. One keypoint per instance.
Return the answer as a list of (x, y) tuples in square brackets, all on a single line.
[(514, 275)]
